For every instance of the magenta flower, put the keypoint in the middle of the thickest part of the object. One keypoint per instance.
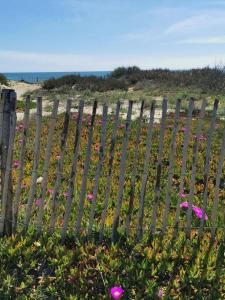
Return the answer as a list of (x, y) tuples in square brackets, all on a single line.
[(16, 163), (161, 293), (197, 210), (116, 292), (38, 202), (66, 194), (199, 213), (90, 197), (184, 204)]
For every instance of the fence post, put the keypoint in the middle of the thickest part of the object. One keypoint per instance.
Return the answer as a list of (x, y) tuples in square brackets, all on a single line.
[(8, 122)]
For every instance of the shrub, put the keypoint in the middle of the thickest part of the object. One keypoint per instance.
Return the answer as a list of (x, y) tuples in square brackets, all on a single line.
[(91, 83), (3, 79)]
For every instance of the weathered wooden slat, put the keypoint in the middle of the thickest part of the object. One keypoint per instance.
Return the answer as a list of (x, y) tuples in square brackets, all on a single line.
[(5, 213), (35, 165), (193, 169), (172, 153), (122, 173), (22, 161), (73, 170), (134, 172), (99, 169), (159, 167), (85, 174), (110, 168), (46, 165), (59, 167), (207, 165), (217, 188), (1, 134), (145, 174), (184, 160), (8, 102)]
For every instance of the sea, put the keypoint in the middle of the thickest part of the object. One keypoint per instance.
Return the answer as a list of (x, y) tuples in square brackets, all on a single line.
[(36, 77)]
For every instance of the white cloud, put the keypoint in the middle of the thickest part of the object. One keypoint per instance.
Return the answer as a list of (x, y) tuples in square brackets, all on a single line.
[(214, 40), (204, 20), (13, 61)]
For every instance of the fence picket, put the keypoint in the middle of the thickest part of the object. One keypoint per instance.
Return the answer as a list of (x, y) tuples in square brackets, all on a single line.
[(171, 166), (59, 168), (35, 165), (139, 229), (110, 168), (193, 168), (6, 214), (134, 172), (218, 178), (99, 168), (73, 170), (159, 167), (85, 174), (207, 166), (184, 160), (46, 165), (122, 173), (22, 155)]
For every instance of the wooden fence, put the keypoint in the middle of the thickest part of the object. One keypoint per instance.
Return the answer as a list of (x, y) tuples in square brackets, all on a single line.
[(140, 178)]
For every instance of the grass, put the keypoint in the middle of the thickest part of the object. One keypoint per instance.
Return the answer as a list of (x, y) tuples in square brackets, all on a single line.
[(20, 105)]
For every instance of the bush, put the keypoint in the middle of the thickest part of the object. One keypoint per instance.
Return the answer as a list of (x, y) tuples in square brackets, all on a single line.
[(91, 83), (3, 79), (207, 79)]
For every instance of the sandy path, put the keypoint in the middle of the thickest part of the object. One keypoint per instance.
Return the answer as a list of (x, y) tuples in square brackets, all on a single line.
[(22, 87)]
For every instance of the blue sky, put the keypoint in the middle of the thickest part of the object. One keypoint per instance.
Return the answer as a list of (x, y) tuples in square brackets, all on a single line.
[(85, 35)]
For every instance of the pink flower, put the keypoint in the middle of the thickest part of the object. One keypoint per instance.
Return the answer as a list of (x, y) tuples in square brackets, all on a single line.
[(99, 122), (20, 141), (38, 202), (16, 164), (199, 213), (184, 204), (121, 126), (24, 186), (183, 129), (58, 156), (21, 126), (50, 191), (97, 148), (182, 195), (90, 197), (200, 138), (75, 115), (116, 292), (66, 194), (161, 293)]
